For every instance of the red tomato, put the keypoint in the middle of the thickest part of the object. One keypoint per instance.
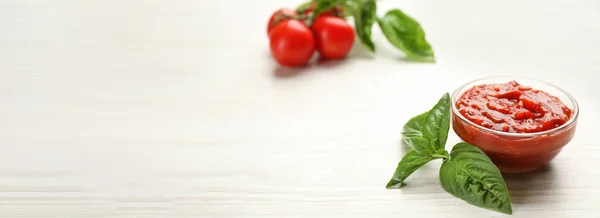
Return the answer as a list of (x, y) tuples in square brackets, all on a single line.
[(278, 16), (292, 43), (334, 36)]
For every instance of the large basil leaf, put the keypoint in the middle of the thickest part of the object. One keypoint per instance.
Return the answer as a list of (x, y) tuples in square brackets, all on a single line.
[(409, 163), (421, 145), (406, 34), (365, 15), (471, 176), (414, 126), (437, 123)]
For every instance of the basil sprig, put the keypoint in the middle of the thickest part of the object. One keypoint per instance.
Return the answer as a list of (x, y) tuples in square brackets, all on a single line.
[(466, 173), (402, 31)]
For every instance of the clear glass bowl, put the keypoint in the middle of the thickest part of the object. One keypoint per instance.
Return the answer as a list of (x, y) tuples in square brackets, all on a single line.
[(516, 152)]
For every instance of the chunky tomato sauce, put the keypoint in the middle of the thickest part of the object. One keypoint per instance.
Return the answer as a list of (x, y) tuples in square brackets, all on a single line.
[(511, 107)]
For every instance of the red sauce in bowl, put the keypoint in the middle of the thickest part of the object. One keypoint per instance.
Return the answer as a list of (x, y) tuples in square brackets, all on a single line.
[(511, 107), (518, 127)]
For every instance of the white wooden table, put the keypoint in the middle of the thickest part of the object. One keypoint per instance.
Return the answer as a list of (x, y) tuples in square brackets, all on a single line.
[(174, 109)]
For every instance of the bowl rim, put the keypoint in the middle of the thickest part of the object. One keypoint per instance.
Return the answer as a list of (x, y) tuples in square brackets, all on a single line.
[(572, 119)]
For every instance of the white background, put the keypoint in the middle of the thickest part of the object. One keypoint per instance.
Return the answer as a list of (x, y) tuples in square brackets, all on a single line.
[(175, 109)]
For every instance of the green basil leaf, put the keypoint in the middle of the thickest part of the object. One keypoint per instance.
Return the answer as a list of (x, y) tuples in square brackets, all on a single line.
[(414, 126), (444, 129), (348, 8), (325, 5), (304, 6), (406, 34), (471, 176), (421, 145), (437, 122), (365, 15), (409, 163)]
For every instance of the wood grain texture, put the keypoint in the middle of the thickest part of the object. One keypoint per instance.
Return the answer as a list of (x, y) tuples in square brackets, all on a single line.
[(175, 109)]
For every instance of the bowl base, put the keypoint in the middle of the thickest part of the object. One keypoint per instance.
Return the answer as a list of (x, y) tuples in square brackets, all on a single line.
[(508, 163), (517, 170)]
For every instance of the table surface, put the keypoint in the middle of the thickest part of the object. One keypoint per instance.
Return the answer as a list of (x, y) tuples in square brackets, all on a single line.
[(176, 109)]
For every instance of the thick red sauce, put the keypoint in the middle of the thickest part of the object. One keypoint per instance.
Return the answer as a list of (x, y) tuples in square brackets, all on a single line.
[(511, 107)]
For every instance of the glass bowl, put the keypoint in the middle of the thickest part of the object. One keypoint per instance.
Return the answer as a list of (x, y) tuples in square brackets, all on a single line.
[(516, 152)]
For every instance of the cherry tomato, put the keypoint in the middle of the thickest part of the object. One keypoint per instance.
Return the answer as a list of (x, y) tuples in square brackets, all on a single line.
[(336, 11), (292, 43), (278, 16), (334, 36)]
